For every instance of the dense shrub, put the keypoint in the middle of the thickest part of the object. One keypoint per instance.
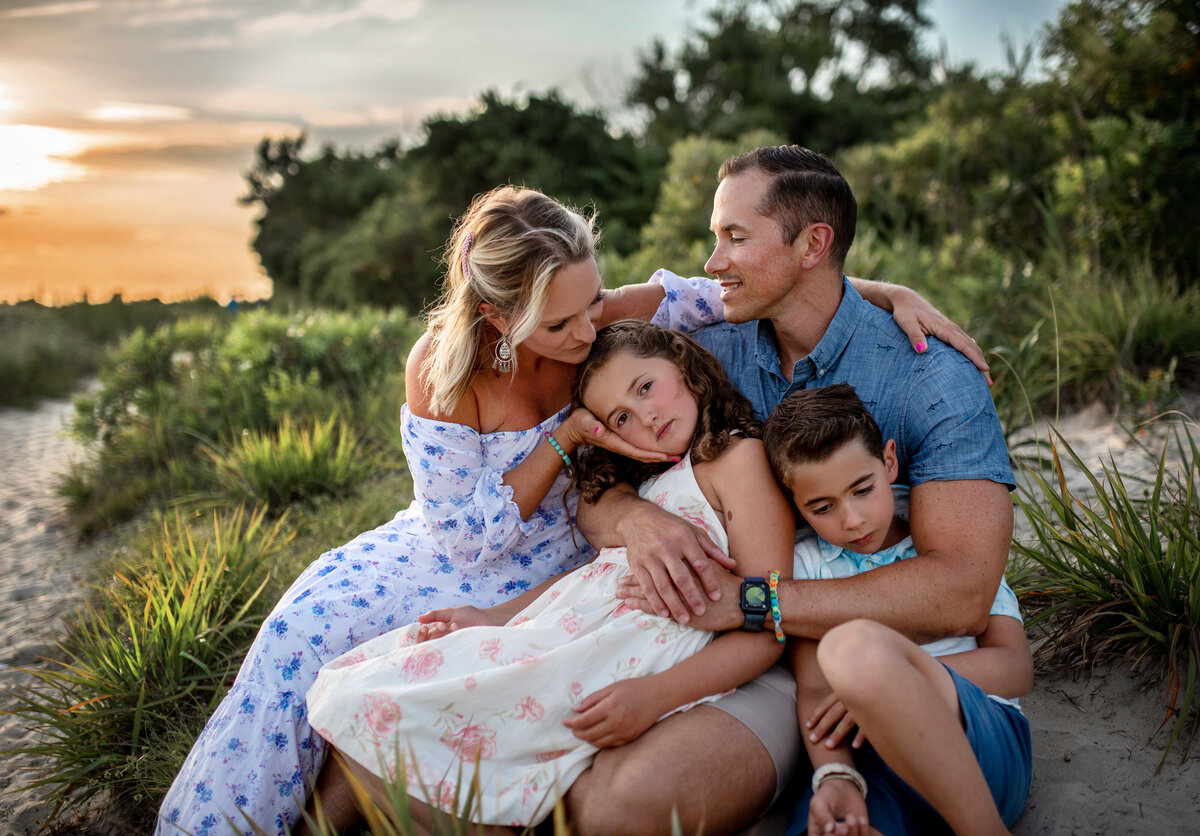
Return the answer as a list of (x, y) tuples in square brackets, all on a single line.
[(165, 394)]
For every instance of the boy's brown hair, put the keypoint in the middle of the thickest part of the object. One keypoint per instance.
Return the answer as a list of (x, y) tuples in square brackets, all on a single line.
[(810, 425)]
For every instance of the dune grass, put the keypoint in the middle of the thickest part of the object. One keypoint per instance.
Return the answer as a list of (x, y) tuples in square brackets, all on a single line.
[(1117, 576)]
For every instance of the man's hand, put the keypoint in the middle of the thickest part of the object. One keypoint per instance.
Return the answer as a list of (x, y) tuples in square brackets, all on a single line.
[(721, 614), (667, 556), (437, 623), (832, 721), (838, 808), (615, 715)]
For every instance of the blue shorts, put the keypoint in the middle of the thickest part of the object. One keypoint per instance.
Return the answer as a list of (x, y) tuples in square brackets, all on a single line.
[(999, 736)]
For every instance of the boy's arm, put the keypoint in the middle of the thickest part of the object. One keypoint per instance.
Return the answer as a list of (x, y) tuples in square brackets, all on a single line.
[(1002, 665), (835, 802)]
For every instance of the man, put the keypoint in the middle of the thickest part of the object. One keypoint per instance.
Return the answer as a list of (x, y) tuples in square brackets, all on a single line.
[(784, 219)]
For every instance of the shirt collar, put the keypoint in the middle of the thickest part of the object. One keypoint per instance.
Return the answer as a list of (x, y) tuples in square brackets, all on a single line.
[(828, 350)]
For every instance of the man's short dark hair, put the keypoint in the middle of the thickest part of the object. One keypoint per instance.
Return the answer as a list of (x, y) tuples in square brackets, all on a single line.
[(806, 188), (810, 425)]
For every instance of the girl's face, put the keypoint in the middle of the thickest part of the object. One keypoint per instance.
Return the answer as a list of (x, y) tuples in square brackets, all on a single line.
[(645, 401), (565, 331), (847, 498)]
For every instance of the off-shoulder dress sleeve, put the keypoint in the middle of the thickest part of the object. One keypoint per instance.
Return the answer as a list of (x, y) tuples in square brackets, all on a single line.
[(689, 304), (468, 509)]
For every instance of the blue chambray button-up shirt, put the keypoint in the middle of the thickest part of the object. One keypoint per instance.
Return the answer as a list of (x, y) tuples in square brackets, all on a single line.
[(935, 405)]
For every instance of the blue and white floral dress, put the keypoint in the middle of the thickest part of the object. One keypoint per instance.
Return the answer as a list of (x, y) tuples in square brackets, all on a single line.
[(461, 541)]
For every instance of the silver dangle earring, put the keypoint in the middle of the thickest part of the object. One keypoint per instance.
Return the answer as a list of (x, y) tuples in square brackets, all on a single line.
[(504, 355)]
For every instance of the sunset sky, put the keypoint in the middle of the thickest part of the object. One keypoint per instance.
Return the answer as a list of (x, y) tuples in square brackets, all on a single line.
[(125, 125)]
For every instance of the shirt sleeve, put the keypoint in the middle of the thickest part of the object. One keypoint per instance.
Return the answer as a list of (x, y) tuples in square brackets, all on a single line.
[(951, 425), (689, 303), (468, 509), (1006, 602)]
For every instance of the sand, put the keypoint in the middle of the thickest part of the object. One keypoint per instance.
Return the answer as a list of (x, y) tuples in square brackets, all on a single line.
[(1094, 735)]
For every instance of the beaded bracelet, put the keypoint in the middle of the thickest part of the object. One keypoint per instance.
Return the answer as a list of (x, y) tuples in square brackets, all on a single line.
[(839, 770), (566, 459), (774, 591)]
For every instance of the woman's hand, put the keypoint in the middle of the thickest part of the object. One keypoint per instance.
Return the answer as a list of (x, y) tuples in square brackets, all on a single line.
[(582, 427), (438, 623), (832, 721), (838, 807), (917, 318)]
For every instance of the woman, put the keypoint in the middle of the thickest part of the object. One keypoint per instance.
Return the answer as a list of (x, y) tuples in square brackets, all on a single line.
[(486, 432)]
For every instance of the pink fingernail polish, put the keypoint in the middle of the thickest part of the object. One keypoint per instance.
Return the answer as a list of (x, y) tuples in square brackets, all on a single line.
[(674, 458), (596, 431), (920, 348)]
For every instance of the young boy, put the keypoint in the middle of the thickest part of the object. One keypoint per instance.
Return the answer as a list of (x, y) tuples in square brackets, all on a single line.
[(937, 753)]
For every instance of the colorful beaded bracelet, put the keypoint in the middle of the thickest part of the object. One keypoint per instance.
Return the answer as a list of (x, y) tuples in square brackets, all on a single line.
[(774, 590)]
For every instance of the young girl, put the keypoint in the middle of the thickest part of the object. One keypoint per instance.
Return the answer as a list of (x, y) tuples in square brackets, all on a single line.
[(948, 747), (527, 696)]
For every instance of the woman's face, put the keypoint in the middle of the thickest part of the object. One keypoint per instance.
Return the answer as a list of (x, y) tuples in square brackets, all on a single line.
[(565, 332), (645, 401)]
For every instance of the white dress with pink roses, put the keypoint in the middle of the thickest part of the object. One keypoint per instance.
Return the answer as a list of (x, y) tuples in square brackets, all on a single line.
[(499, 695)]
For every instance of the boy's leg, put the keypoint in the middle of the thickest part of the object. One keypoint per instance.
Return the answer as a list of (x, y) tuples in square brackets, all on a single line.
[(906, 703)]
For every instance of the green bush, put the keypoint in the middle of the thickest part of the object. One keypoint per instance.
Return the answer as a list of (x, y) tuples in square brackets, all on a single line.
[(208, 385), (292, 464), (47, 351)]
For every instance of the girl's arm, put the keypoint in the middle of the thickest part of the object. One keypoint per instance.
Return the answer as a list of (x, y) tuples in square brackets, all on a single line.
[(761, 528), (1002, 665)]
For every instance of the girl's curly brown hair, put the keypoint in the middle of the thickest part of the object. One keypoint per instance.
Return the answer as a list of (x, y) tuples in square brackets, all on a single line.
[(722, 408)]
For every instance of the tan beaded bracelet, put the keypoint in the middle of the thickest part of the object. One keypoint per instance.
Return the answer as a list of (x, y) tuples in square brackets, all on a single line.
[(839, 770)]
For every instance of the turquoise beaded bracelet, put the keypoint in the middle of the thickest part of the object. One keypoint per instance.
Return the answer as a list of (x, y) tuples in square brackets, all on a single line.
[(566, 459)]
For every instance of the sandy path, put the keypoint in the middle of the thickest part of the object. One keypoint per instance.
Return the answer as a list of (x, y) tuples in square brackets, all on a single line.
[(42, 572)]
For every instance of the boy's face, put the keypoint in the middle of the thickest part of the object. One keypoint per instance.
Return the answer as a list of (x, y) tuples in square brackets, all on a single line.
[(847, 498)]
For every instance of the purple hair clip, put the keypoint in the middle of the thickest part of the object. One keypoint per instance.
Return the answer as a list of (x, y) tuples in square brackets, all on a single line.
[(466, 249)]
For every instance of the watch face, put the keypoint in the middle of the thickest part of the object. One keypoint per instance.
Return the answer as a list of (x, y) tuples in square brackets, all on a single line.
[(755, 597)]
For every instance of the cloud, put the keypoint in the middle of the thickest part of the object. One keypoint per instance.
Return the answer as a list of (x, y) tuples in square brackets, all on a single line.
[(133, 112), (200, 43), (305, 23), (188, 12), (53, 9)]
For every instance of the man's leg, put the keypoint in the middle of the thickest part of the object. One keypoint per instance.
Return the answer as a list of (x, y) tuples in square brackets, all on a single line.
[(906, 703), (703, 762)]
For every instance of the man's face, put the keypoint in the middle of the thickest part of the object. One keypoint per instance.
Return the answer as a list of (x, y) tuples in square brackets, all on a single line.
[(756, 269)]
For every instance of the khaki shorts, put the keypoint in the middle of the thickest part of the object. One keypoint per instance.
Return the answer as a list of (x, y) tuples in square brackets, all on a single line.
[(767, 706)]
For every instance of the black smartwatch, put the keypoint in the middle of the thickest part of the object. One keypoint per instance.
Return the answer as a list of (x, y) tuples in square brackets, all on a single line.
[(755, 602)]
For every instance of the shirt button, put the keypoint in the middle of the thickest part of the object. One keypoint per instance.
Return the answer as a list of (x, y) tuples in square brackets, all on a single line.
[(821, 372)]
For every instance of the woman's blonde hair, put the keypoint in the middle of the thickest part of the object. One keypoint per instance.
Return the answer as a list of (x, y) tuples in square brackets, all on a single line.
[(504, 251)]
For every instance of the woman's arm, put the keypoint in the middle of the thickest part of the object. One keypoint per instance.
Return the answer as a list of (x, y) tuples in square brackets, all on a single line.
[(917, 318)]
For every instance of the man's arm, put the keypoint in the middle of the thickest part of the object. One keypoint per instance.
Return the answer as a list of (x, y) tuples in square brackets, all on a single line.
[(962, 531), (667, 554)]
